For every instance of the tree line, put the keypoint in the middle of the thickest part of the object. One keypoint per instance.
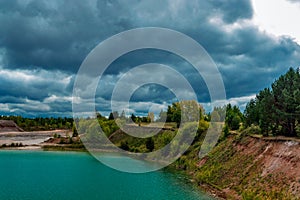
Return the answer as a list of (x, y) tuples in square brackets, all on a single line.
[(276, 110), (41, 123)]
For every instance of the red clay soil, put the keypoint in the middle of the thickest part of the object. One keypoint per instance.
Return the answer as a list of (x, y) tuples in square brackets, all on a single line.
[(279, 159), (263, 167)]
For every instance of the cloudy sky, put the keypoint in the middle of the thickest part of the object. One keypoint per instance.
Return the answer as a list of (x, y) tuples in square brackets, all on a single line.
[(43, 44)]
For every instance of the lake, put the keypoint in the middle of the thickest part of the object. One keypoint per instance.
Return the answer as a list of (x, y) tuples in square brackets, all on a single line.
[(72, 175)]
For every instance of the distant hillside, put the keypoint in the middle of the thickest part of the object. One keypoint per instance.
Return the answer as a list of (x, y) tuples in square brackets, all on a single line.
[(9, 126)]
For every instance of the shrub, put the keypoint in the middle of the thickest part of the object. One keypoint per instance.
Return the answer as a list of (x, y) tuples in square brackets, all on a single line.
[(124, 146), (150, 144), (251, 130)]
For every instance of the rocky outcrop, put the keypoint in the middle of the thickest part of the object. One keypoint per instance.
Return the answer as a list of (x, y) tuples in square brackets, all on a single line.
[(9, 126)]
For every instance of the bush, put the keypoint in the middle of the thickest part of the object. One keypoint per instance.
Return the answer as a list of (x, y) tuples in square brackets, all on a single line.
[(150, 144), (74, 130), (298, 129), (124, 146), (225, 133), (251, 130), (62, 141)]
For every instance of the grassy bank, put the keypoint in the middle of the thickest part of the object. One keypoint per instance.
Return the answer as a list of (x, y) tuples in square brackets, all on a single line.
[(68, 147), (243, 167)]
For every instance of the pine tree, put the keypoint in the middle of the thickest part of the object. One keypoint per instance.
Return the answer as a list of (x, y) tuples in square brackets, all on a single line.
[(277, 110)]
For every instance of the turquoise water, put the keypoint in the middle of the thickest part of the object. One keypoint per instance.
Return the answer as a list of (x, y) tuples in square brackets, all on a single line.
[(71, 175)]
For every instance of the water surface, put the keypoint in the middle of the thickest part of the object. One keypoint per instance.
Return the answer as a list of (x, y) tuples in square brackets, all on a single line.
[(71, 175)]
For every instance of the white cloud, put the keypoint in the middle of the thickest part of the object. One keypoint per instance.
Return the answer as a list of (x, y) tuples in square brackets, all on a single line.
[(241, 102), (4, 107), (30, 105), (33, 76), (54, 98), (278, 17)]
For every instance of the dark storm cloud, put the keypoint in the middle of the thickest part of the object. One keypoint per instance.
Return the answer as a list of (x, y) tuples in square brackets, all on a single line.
[(43, 43), (59, 34), (253, 60), (54, 34), (34, 91), (34, 84), (232, 10)]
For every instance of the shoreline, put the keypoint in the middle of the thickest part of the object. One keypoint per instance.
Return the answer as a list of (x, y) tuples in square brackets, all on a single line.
[(46, 146), (23, 148), (205, 188)]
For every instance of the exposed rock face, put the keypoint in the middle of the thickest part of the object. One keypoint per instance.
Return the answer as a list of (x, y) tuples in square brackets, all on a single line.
[(9, 126), (266, 168)]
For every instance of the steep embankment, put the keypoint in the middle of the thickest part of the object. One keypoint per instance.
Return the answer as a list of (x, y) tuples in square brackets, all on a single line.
[(9, 126), (239, 167), (252, 168)]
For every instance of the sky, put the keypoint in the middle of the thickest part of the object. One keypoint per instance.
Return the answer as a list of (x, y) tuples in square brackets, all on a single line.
[(43, 44)]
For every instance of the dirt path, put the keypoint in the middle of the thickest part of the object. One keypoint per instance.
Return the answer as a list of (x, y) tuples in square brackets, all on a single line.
[(30, 138)]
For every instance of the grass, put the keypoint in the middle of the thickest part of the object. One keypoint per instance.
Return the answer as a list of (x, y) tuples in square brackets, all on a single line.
[(229, 167), (65, 147)]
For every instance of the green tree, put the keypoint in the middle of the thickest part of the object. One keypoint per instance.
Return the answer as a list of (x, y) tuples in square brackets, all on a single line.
[(151, 116), (133, 117), (74, 130), (111, 116), (266, 110), (215, 117), (286, 100), (226, 131), (123, 115), (234, 117), (220, 114), (162, 116), (150, 144), (276, 110), (124, 146), (251, 113), (185, 111)]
